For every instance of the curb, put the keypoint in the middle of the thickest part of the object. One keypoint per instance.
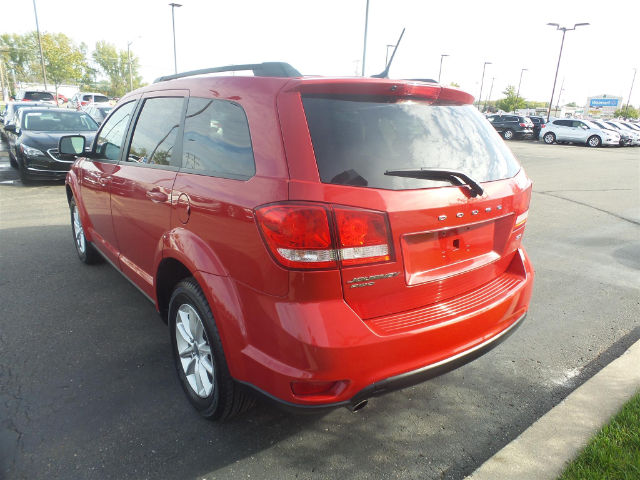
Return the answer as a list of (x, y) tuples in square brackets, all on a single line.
[(548, 445)]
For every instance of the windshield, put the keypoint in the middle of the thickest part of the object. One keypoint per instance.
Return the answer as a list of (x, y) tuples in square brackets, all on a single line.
[(356, 141), (58, 121)]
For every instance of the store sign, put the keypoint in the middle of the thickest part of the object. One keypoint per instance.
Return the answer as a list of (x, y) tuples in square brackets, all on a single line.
[(604, 102)]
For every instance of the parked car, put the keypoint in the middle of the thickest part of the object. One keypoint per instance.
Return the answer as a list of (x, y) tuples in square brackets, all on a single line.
[(627, 129), (60, 99), (37, 132), (82, 99), (538, 124), (625, 138), (35, 96), (578, 131), (98, 112), (512, 126), (318, 241), (9, 118)]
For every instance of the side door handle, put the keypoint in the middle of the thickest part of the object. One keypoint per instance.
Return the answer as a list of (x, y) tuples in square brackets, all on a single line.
[(104, 180), (157, 196)]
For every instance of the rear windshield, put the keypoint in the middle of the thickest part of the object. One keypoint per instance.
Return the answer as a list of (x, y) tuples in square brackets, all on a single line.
[(100, 99), (38, 96), (58, 121), (356, 141)]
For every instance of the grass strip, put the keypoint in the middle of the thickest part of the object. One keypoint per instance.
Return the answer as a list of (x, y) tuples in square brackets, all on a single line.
[(614, 453)]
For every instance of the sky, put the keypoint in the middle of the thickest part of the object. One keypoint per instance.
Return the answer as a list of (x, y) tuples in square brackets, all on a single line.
[(326, 38)]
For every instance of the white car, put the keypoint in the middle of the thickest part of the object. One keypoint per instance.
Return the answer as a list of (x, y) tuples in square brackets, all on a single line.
[(621, 127), (578, 131)]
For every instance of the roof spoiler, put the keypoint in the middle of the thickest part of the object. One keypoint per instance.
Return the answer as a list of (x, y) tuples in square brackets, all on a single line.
[(385, 72), (265, 69)]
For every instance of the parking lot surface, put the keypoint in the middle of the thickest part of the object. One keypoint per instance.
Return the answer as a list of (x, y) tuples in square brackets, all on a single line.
[(88, 388)]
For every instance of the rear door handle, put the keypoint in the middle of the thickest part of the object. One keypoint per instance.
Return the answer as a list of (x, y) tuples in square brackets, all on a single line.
[(157, 196), (104, 181)]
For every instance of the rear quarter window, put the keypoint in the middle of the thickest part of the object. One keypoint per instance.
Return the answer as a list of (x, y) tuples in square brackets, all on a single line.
[(217, 140)]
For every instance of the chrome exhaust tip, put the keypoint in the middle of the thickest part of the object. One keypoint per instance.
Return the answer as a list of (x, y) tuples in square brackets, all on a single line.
[(358, 406)]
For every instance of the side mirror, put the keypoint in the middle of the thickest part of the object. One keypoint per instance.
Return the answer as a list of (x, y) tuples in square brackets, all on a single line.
[(72, 145)]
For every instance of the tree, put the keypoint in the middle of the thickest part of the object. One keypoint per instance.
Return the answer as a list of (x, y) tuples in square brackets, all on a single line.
[(624, 112), (115, 65), (63, 59), (572, 104), (512, 101), (454, 84), (18, 55)]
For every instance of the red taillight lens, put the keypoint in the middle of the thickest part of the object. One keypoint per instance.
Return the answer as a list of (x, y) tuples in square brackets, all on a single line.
[(523, 124), (363, 236), (542, 125), (298, 235), (302, 235)]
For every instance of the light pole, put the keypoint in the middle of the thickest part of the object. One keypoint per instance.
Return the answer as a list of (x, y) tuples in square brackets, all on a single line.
[(559, 95), (482, 83), (440, 71), (129, 59), (386, 58), (44, 73), (626, 110), (173, 23), (488, 99), (519, 83), (555, 79), (364, 48)]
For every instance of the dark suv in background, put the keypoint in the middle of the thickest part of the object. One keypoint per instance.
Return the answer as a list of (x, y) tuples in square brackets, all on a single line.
[(512, 126), (538, 124)]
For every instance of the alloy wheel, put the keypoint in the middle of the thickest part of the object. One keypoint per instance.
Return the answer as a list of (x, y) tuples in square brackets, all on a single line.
[(194, 351), (78, 231)]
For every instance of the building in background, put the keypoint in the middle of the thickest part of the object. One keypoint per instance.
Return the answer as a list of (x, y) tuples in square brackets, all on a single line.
[(602, 106)]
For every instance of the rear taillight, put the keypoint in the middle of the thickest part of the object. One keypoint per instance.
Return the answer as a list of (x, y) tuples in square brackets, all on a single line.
[(542, 125), (523, 125), (308, 236), (521, 220)]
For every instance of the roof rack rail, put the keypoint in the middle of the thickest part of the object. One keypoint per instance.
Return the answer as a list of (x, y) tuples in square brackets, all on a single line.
[(265, 69)]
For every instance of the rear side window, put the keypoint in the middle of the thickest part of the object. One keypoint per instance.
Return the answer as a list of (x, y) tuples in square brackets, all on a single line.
[(100, 99), (156, 131), (38, 96), (563, 123), (87, 98), (109, 140), (217, 140), (356, 141)]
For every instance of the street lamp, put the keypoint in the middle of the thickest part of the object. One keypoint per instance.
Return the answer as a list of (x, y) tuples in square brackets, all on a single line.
[(440, 71), (44, 73), (482, 82), (519, 83), (564, 31), (173, 23), (626, 110), (386, 58), (364, 48), (129, 60), (488, 99)]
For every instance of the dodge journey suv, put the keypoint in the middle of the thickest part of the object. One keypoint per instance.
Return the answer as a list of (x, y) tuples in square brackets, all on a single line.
[(316, 241)]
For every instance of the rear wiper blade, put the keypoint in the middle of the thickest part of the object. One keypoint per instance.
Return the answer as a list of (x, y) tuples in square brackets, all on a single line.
[(454, 176)]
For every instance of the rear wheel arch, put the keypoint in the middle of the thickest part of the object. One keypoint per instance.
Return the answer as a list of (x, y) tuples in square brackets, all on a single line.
[(170, 272)]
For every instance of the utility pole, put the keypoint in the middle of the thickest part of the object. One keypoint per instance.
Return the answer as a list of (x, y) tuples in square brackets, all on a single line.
[(482, 83), (555, 79), (44, 73), (626, 110), (488, 99), (440, 71), (129, 59), (173, 23), (518, 94), (559, 95), (364, 48)]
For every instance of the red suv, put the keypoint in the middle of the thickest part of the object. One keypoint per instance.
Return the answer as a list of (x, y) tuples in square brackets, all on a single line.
[(317, 240)]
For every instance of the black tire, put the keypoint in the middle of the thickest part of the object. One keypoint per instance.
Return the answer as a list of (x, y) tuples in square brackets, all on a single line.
[(549, 138), (508, 134), (226, 398), (25, 178), (594, 141), (12, 162), (87, 253)]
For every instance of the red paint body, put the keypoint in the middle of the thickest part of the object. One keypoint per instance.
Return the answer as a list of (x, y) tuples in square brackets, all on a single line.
[(451, 286)]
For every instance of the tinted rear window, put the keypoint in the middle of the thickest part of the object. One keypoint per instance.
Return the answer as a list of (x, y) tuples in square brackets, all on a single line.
[(356, 141), (38, 96), (100, 99)]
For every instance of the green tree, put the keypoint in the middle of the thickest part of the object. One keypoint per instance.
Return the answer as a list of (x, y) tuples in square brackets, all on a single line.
[(572, 104), (64, 61), (18, 54), (512, 101), (115, 66), (454, 84), (624, 112)]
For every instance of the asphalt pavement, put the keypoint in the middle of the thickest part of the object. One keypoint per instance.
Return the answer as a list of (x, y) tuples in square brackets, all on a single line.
[(88, 388)]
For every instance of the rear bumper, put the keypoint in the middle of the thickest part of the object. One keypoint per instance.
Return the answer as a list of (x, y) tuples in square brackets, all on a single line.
[(326, 341)]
